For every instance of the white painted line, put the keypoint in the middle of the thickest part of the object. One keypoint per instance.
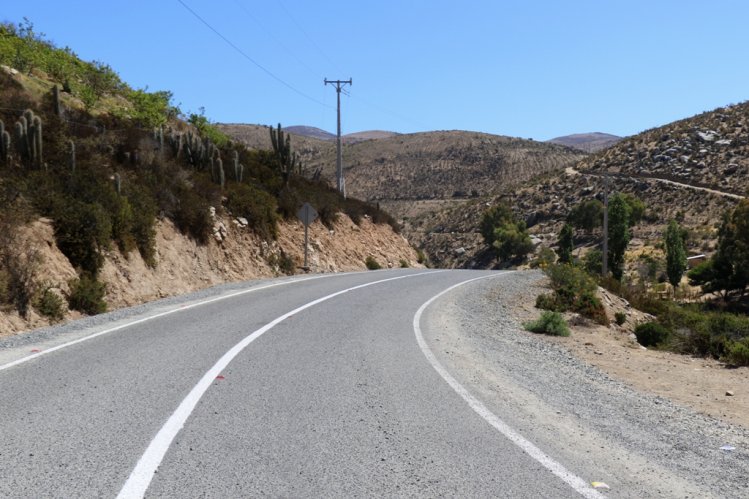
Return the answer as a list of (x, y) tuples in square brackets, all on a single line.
[(574, 481), (137, 483), (156, 316)]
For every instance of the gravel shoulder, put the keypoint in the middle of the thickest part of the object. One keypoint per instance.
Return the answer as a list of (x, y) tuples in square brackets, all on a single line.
[(603, 425)]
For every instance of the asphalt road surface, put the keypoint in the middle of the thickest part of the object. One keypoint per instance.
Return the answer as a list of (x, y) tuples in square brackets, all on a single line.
[(300, 387)]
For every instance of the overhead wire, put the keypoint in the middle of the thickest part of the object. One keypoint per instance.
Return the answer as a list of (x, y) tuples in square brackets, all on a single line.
[(311, 40), (246, 56), (275, 39)]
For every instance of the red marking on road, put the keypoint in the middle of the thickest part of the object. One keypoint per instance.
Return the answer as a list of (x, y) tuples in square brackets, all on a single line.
[(35, 350), (220, 376)]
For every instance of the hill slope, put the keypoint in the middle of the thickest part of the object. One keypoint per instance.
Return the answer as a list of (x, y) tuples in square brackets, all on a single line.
[(588, 142), (692, 170), (417, 176), (94, 176)]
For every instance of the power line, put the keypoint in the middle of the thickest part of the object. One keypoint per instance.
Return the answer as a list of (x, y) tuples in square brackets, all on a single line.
[(279, 42), (388, 112), (253, 61), (312, 41)]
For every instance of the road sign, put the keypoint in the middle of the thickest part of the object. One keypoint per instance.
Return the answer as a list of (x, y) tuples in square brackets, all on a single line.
[(307, 214)]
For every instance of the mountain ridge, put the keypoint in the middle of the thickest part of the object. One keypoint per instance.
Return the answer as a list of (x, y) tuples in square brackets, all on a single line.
[(589, 142)]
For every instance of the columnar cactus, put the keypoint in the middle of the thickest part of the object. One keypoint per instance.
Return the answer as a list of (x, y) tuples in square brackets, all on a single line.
[(117, 183), (221, 177), (28, 131), (235, 160), (71, 156), (4, 144), (56, 100), (285, 158), (37, 141)]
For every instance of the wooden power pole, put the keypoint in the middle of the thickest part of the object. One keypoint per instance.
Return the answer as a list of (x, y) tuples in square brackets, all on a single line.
[(338, 163)]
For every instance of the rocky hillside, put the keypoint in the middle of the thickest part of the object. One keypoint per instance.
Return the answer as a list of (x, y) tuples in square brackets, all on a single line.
[(109, 197), (588, 142), (711, 150), (692, 170), (433, 165)]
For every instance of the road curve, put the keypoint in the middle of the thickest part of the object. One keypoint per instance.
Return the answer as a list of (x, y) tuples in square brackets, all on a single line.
[(306, 387)]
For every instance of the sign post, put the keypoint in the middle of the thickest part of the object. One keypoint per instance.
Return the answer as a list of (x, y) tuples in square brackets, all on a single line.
[(307, 214)]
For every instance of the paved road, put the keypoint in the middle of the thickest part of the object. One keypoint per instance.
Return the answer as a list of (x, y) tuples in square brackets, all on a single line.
[(330, 394)]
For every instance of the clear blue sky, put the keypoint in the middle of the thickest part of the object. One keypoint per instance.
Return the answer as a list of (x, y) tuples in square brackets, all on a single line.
[(535, 69)]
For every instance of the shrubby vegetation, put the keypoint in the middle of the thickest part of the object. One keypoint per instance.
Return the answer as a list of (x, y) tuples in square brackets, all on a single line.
[(728, 270), (573, 290), (716, 329), (508, 236), (551, 323), (105, 170), (372, 263)]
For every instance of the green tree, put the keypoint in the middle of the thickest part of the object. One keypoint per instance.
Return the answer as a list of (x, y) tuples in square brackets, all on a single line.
[(208, 129), (619, 234), (728, 269), (587, 215), (676, 255), (636, 208), (493, 218), (511, 240), (151, 109), (506, 235), (566, 244)]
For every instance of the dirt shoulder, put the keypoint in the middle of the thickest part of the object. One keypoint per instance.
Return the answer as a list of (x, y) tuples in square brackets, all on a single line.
[(701, 384)]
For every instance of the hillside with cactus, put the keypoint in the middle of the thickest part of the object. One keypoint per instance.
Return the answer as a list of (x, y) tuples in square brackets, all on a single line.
[(693, 171), (96, 177)]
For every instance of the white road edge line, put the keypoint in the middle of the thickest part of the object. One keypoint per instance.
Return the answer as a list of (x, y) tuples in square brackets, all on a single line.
[(156, 316), (574, 481), (137, 483)]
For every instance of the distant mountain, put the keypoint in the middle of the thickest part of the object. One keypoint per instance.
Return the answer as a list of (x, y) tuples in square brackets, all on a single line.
[(349, 138), (588, 142), (310, 131), (421, 177)]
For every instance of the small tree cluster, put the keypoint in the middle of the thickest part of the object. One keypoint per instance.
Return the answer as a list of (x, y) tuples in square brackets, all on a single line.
[(509, 237), (728, 270)]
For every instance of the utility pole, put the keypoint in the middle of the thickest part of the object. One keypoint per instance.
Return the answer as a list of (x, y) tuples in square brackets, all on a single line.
[(338, 163), (605, 263)]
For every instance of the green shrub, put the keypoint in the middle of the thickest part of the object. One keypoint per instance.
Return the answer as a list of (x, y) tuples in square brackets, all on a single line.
[(620, 318), (286, 264), (87, 295), (651, 334), (83, 232), (548, 301), (404, 264), (50, 305), (192, 215), (421, 257), (551, 323), (371, 263), (258, 207), (574, 290), (593, 262), (738, 353), (545, 258), (143, 224)]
